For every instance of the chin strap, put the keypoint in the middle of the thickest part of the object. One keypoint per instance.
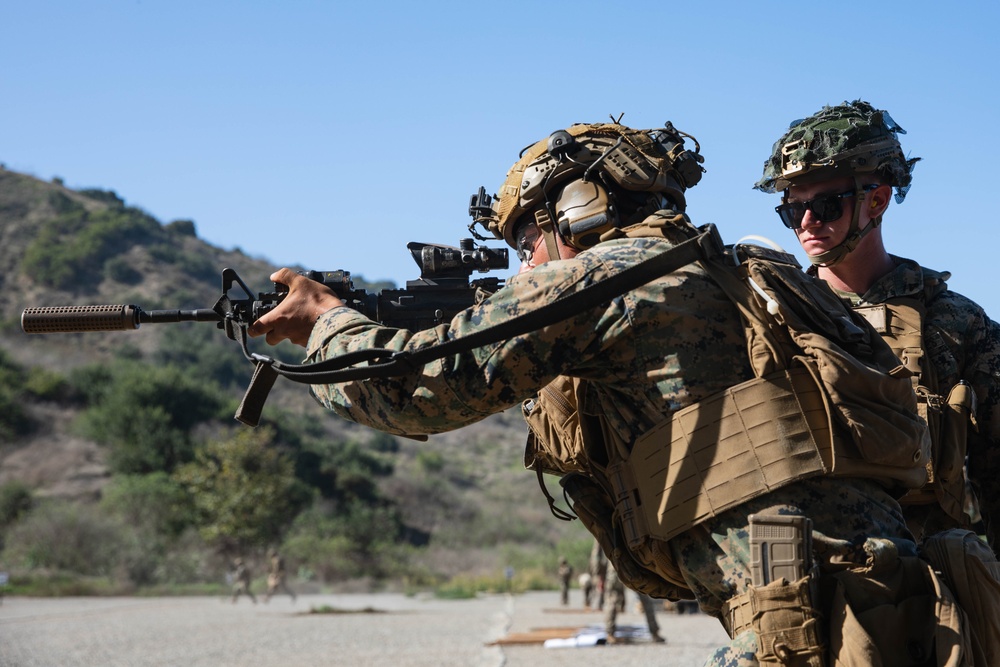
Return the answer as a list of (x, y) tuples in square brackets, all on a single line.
[(854, 235), (547, 228)]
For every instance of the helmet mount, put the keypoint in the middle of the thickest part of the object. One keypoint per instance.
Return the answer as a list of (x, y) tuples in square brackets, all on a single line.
[(588, 179)]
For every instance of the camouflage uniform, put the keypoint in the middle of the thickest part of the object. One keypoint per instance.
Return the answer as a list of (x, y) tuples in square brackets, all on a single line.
[(649, 610), (277, 578), (565, 576), (835, 171), (943, 337), (963, 343), (614, 602), (598, 572), (659, 348), (586, 581), (241, 581)]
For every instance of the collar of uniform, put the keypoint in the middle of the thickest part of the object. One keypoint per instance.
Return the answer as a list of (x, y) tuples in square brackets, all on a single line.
[(907, 279)]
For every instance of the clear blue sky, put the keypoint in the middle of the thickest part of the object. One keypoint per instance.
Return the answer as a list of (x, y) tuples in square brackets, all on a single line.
[(329, 134)]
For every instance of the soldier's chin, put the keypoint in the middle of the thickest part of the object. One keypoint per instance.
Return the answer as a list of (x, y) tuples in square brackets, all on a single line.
[(813, 248)]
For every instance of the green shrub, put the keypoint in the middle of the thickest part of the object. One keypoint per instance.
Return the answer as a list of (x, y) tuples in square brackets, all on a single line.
[(145, 415), (205, 354), (45, 583), (165, 252), (70, 251), (463, 587), (92, 382), (109, 197), (182, 227), (120, 270), (157, 520), (154, 504), (61, 536), (244, 491), (15, 501), (198, 267), (48, 385), (14, 420), (62, 204), (383, 443), (343, 542), (430, 461)]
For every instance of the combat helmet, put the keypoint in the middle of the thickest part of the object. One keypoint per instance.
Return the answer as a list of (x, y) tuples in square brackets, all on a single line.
[(851, 139), (844, 140), (588, 179)]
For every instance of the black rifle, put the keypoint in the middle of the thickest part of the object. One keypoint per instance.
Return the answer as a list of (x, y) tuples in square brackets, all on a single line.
[(443, 290), (428, 307)]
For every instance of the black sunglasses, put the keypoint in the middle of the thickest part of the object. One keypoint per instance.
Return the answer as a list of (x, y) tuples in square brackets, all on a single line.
[(826, 208)]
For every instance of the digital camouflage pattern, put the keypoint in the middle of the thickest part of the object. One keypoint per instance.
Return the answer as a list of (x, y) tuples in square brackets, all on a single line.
[(614, 602), (846, 139), (963, 343), (657, 349), (843, 511)]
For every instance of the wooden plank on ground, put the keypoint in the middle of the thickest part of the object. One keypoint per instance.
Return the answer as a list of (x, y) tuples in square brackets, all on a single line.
[(536, 636)]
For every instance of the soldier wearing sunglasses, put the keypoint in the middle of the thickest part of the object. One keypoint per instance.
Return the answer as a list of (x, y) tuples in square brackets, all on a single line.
[(836, 171)]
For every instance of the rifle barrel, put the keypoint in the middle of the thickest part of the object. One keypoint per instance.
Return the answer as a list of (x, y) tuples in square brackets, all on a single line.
[(162, 316)]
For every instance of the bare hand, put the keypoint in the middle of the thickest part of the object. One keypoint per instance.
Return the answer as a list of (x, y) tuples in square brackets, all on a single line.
[(297, 313)]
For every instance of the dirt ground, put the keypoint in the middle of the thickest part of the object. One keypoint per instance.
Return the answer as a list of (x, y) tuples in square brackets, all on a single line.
[(377, 629)]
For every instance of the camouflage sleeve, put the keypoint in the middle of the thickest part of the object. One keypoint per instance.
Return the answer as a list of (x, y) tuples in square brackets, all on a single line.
[(970, 351), (983, 372), (964, 344), (464, 388)]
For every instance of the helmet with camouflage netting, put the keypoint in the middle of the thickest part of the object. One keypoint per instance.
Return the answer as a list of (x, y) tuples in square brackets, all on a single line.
[(850, 139), (590, 178)]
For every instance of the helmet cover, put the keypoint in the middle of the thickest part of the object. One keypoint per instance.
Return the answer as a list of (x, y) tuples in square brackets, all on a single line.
[(850, 139)]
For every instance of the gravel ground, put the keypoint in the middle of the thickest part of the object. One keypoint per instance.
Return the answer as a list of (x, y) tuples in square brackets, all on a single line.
[(377, 629)]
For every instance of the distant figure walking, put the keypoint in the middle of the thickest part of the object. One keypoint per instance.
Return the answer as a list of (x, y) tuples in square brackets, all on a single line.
[(241, 581), (276, 577), (587, 587), (565, 577)]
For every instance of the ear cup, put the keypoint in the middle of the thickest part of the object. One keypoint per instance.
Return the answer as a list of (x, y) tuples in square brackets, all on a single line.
[(584, 212)]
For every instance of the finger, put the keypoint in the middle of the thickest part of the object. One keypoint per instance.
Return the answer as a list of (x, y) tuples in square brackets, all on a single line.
[(258, 328), (284, 276)]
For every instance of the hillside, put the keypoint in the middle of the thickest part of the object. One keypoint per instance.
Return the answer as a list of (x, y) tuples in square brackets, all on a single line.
[(173, 269), (463, 499)]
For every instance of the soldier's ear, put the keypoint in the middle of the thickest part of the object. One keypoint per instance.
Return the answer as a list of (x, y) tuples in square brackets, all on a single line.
[(879, 200)]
